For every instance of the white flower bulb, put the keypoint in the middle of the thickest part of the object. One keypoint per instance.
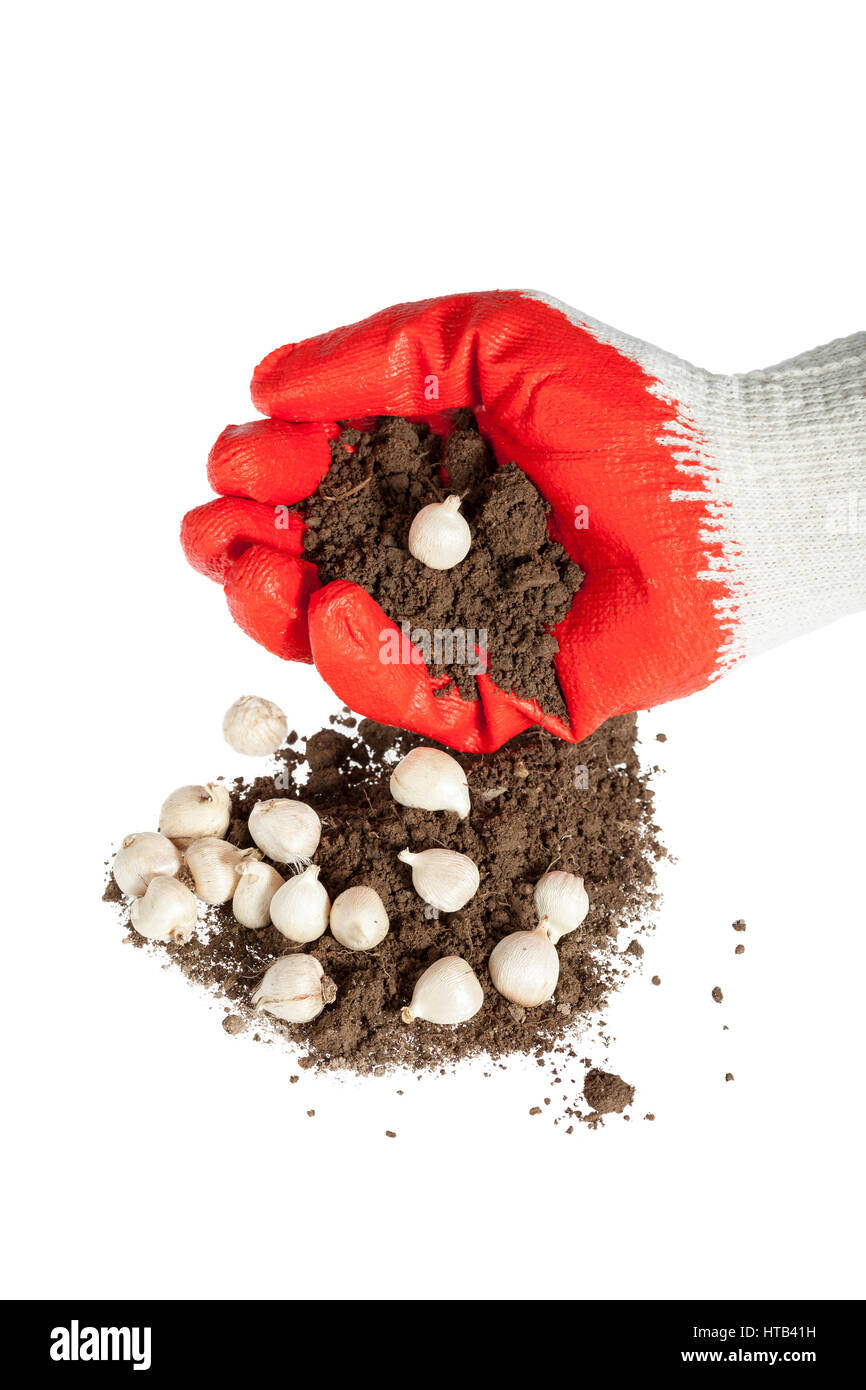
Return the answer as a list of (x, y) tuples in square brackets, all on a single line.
[(439, 536), (300, 909), (215, 866), (140, 858), (190, 813), (431, 780), (255, 726), (524, 967), (167, 912), (286, 830), (449, 991), (295, 988), (443, 877), (561, 902), (358, 919), (257, 884)]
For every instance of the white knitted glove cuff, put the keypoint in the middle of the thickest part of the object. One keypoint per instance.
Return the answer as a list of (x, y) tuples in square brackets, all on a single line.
[(789, 445), (783, 454)]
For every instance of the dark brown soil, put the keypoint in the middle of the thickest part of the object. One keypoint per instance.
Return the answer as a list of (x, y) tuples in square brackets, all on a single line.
[(526, 816), (516, 584), (606, 1093)]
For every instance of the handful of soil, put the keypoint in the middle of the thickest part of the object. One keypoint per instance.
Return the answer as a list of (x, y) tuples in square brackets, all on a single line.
[(515, 585), (537, 803)]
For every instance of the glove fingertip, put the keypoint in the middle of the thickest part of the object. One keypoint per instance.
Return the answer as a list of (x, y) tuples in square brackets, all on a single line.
[(271, 461), (268, 595)]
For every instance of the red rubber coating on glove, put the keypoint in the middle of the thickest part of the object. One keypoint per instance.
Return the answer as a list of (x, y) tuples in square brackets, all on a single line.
[(268, 596)]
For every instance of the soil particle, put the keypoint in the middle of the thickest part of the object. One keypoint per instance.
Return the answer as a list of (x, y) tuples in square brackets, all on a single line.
[(634, 948), (717, 994), (739, 925), (729, 1076), (738, 950), (656, 979), (327, 748), (607, 1093)]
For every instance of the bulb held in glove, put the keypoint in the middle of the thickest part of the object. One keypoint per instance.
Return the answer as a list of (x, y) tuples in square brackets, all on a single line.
[(439, 536)]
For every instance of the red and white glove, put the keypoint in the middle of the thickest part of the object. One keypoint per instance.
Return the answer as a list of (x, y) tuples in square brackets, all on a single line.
[(715, 516)]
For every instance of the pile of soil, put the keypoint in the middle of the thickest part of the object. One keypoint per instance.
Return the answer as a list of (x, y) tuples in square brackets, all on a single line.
[(530, 812), (517, 582)]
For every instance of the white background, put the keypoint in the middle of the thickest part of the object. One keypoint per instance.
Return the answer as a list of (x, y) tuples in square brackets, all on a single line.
[(188, 186)]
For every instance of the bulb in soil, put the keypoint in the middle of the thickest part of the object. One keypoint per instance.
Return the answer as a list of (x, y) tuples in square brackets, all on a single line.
[(215, 867), (439, 536), (442, 877), (295, 988), (561, 902), (140, 858), (449, 991), (286, 831), (167, 912), (358, 919), (192, 812), (255, 726), (431, 780), (257, 884), (301, 907), (524, 967)]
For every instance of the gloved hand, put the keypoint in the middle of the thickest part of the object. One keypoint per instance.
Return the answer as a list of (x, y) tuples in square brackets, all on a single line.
[(700, 506)]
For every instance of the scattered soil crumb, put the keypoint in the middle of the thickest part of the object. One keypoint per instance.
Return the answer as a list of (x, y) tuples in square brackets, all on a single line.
[(739, 925), (390, 1134), (606, 1092), (717, 994), (536, 1110), (233, 1023), (738, 950), (634, 948), (729, 1076), (656, 979)]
